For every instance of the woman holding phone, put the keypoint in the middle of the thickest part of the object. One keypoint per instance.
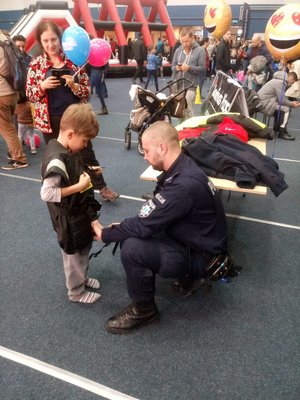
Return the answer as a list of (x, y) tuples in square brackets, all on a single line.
[(54, 83), (46, 88)]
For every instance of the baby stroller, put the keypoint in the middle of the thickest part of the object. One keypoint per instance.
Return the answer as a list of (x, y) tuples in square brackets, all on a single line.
[(152, 107)]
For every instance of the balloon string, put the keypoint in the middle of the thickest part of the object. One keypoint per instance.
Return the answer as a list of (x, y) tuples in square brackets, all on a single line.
[(76, 73)]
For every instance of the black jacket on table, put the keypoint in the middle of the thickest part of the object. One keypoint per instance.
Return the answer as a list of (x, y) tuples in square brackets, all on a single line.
[(186, 207), (225, 156), (72, 217)]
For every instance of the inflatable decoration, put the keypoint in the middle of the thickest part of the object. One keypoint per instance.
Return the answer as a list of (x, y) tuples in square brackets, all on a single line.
[(217, 18), (282, 35), (76, 45), (100, 52)]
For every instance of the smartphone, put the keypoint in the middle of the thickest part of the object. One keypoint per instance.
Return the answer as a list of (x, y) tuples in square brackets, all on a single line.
[(58, 73)]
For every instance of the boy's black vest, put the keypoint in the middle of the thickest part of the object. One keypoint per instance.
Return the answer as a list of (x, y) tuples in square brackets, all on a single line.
[(71, 218)]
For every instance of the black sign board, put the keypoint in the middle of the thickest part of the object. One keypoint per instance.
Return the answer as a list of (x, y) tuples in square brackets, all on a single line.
[(226, 95)]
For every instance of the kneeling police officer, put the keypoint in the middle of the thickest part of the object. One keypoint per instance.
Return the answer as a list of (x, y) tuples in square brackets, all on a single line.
[(175, 235)]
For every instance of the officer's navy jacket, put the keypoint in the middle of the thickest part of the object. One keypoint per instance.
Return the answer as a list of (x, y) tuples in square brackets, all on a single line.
[(186, 207)]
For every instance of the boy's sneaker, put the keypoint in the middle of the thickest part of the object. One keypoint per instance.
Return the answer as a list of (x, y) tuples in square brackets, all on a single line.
[(14, 165)]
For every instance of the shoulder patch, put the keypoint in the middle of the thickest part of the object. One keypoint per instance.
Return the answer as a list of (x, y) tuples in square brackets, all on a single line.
[(159, 197), (147, 209)]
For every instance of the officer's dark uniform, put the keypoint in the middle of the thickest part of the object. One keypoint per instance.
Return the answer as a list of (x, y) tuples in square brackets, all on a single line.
[(175, 234)]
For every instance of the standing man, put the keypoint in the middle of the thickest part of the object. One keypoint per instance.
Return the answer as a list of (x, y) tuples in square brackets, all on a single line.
[(139, 54), (188, 61), (20, 42), (8, 102), (176, 233), (223, 53), (204, 43), (258, 48)]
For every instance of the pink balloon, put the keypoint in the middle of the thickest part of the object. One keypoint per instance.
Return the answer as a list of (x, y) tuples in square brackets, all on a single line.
[(100, 52)]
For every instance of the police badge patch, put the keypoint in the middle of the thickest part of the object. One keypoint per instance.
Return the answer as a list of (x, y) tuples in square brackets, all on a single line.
[(147, 209)]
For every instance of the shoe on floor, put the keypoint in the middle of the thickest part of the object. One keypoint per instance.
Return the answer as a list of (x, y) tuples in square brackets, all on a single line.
[(87, 298), (92, 283), (108, 194), (9, 156), (185, 290), (103, 111), (132, 317), (285, 136), (14, 165)]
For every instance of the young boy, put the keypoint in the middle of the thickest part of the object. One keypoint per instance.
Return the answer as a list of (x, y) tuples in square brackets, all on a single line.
[(70, 199), (25, 125), (152, 66)]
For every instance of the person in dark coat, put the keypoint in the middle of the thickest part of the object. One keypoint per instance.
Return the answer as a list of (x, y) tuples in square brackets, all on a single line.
[(139, 54), (175, 235), (258, 48), (223, 53)]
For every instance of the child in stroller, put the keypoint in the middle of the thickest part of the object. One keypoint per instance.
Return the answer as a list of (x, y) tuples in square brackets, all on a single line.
[(152, 107)]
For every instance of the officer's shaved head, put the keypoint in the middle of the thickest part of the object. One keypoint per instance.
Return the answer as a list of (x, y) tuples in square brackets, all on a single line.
[(161, 145), (162, 131)]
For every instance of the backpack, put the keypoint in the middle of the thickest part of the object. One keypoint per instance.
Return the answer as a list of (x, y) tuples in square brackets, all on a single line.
[(17, 71)]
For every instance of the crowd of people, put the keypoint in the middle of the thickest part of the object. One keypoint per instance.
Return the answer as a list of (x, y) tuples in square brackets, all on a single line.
[(182, 227), (197, 59)]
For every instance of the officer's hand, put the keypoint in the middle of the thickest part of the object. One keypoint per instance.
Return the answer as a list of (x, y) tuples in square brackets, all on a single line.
[(97, 229), (113, 224)]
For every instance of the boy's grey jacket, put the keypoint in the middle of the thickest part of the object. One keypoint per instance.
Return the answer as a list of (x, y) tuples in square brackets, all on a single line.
[(196, 61)]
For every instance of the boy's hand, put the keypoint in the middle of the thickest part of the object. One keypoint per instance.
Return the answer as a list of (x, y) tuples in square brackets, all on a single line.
[(84, 181), (295, 104)]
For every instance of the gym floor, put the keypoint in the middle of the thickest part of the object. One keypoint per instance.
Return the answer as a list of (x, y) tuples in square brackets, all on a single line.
[(238, 341)]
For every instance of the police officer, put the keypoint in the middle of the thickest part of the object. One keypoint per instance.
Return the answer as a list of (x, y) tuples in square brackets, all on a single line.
[(175, 234)]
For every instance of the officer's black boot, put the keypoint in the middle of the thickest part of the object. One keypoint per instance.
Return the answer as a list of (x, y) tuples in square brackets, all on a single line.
[(132, 317)]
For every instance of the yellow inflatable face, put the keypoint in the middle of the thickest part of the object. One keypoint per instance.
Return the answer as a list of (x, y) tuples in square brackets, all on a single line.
[(217, 18), (282, 35)]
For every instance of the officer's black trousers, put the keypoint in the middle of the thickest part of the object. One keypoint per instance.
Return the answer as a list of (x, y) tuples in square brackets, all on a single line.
[(144, 258)]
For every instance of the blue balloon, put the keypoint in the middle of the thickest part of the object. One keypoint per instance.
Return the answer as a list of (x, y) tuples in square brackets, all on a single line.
[(76, 44)]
